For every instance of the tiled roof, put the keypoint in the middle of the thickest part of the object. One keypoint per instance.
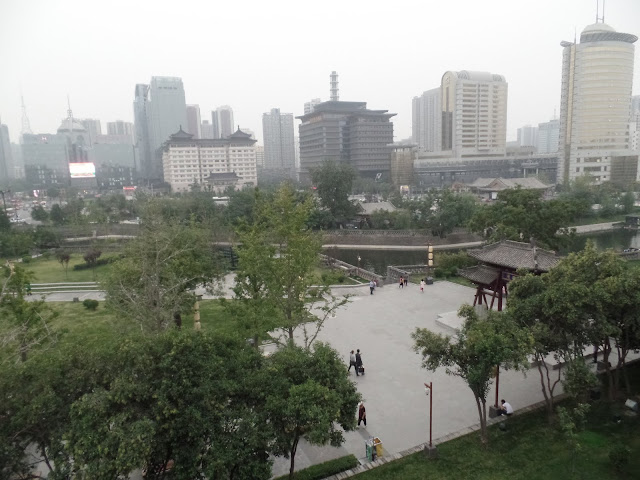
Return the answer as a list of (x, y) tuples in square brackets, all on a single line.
[(516, 255), (480, 274), (369, 208), (497, 184)]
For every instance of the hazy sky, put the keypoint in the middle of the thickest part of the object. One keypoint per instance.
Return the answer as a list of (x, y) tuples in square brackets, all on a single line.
[(258, 54)]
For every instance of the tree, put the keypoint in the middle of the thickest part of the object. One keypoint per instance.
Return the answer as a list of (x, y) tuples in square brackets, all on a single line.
[(180, 398), (520, 214), (309, 394), (277, 255), (451, 210), (91, 259), (53, 192), (571, 422), (159, 271), (5, 223), (39, 213), (63, 259), (475, 351), (628, 201), (333, 185), (25, 325), (56, 215)]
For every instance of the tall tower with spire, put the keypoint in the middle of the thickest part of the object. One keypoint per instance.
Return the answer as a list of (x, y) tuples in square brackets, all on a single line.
[(26, 126), (595, 105)]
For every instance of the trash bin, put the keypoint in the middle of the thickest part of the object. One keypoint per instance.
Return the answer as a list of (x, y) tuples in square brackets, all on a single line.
[(429, 281), (378, 444), (368, 447)]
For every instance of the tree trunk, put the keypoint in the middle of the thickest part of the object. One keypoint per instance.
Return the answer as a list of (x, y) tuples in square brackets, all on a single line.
[(482, 413), (606, 351), (294, 448)]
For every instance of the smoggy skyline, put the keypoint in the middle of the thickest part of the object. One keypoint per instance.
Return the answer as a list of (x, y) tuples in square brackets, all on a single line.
[(255, 56)]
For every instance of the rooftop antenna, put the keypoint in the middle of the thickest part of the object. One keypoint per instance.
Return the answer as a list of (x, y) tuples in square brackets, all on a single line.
[(69, 114), (598, 17), (334, 97), (26, 126)]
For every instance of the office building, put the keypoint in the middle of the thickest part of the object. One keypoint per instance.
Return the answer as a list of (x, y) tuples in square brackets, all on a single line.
[(167, 114), (120, 127), (193, 121), (474, 114), (279, 145), (206, 129), (260, 156), (7, 170), (46, 160), (595, 105), (548, 135), (309, 106), (528, 136), (215, 163), (427, 120), (346, 132), (92, 126), (222, 121), (248, 131), (142, 137)]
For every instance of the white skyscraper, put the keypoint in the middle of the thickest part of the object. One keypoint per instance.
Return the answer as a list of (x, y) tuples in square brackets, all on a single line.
[(223, 120), (595, 108), (474, 113), (120, 127), (206, 129), (427, 120), (548, 134), (279, 144), (309, 106), (528, 136), (193, 121)]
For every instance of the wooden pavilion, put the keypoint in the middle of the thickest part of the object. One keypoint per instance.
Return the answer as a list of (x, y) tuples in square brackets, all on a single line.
[(499, 263)]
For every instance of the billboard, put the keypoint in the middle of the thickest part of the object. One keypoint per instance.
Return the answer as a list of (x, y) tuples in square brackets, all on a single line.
[(82, 170)]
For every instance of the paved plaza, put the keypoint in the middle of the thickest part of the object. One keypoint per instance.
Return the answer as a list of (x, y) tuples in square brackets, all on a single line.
[(380, 325)]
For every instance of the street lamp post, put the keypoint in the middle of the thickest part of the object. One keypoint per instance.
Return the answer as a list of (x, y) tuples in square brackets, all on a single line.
[(196, 315), (429, 260), (430, 450), (359, 264)]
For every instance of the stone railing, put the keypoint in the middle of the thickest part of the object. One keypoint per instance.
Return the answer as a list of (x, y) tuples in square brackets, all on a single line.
[(396, 271), (352, 270), (389, 233)]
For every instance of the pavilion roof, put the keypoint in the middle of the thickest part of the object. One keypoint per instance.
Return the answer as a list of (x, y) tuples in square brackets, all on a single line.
[(480, 274), (515, 255)]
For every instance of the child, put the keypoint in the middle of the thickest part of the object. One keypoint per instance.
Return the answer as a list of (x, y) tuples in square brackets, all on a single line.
[(422, 285)]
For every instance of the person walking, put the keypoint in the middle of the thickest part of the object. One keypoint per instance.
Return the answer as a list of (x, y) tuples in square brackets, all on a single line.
[(372, 285), (401, 282), (358, 363), (352, 362), (362, 414), (406, 281), (422, 285)]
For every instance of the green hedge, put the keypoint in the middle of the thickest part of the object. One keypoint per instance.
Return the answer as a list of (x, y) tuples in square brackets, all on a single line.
[(326, 469), (100, 262)]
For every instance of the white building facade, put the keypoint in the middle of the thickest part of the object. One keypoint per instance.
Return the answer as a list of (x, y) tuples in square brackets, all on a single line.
[(528, 136), (474, 114), (595, 108), (548, 135), (426, 122), (187, 161)]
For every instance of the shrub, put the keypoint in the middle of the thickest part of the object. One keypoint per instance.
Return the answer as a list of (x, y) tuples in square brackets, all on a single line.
[(98, 263), (326, 469), (619, 456), (26, 259), (91, 304)]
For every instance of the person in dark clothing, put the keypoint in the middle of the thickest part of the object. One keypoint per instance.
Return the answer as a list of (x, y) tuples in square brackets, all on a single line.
[(401, 285), (406, 281), (362, 414), (352, 362), (358, 363)]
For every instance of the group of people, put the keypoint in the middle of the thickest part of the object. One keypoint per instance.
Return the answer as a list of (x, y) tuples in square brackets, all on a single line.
[(355, 360), (404, 281)]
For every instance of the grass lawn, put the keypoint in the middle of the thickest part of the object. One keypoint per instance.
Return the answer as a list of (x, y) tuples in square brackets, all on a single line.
[(529, 450), (49, 270)]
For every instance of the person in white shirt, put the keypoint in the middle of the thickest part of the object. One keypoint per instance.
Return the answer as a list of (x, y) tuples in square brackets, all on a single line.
[(505, 409), (422, 285)]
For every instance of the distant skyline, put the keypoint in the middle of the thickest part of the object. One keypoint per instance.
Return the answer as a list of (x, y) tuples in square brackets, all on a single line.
[(280, 54)]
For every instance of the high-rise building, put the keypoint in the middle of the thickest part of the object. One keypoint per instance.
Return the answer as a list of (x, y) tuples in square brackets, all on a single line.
[(7, 170), (206, 129), (142, 136), (279, 147), (346, 132), (548, 134), (427, 120), (260, 156), (215, 124), (309, 106), (474, 113), (93, 127), (209, 162), (193, 121), (120, 127), (597, 75), (223, 120), (46, 159), (167, 114), (528, 136), (248, 131)]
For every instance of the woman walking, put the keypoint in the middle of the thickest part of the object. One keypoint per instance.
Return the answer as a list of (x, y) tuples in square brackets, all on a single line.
[(362, 414)]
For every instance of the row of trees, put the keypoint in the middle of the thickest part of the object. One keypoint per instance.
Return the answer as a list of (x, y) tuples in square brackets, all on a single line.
[(589, 298)]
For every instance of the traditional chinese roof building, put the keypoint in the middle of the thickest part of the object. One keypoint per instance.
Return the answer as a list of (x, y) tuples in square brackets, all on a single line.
[(499, 263)]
